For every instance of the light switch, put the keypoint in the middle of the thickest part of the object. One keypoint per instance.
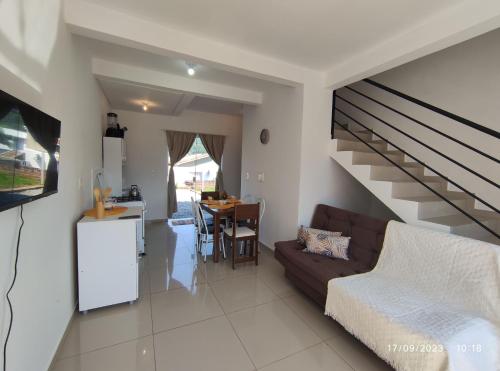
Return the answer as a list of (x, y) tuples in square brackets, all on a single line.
[(260, 177), (247, 176)]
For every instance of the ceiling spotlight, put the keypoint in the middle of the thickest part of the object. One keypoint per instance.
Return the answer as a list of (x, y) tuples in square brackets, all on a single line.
[(145, 107), (190, 69)]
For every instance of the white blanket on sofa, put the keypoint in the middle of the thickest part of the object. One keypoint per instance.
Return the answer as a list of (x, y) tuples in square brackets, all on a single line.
[(431, 303)]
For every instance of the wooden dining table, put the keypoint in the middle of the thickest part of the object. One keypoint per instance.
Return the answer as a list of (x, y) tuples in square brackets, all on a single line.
[(218, 211)]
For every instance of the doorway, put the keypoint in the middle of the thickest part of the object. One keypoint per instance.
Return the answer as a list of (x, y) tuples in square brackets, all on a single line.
[(195, 173)]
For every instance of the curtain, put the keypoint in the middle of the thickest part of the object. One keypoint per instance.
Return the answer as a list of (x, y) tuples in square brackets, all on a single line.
[(179, 144), (214, 144), (45, 133)]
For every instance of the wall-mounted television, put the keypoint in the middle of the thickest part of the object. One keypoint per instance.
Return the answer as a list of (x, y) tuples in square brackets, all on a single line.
[(29, 152)]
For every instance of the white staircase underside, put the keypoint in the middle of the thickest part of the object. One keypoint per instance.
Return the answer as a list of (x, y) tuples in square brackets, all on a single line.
[(409, 199)]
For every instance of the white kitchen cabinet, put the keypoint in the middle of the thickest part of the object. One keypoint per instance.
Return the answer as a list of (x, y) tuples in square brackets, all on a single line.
[(108, 270), (114, 156)]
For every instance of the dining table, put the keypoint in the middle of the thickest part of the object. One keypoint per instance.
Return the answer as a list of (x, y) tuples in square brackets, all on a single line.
[(218, 209)]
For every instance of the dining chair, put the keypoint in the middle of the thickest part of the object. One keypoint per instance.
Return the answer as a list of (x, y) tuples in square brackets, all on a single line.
[(246, 232), (207, 234), (197, 227), (262, 202)]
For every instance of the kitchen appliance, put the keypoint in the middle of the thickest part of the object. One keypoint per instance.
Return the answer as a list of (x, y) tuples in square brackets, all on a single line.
[(114, 129), (134, 191)]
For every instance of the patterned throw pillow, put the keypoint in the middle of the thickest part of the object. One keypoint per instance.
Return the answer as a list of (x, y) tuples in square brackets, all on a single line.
[(333, 246), (303, 232)]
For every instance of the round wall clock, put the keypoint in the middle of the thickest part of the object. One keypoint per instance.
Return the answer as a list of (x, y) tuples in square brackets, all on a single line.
[(264, 136)]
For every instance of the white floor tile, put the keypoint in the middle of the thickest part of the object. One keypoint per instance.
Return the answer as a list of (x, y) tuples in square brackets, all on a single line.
[(271, 332), (107, 326), (178, 276), (276, 280), (311, 313), (317, 358), (181, 307), (209, 345), (355, 352), (136, 355), (241, 292)]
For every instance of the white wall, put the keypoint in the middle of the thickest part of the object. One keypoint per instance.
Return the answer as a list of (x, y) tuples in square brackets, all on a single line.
[(279, 160), (147, 154), (41, 64), (298, 171), (464, 80)]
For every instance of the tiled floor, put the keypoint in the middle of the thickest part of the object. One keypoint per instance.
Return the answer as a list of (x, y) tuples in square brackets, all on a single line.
[(196, 316)]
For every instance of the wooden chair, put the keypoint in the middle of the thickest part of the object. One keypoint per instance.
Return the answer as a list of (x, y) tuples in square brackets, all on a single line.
[(207, 234), (246, 232), (214, 195)]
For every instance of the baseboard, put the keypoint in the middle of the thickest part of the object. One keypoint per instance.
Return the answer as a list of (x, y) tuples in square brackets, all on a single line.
[(65, 334)]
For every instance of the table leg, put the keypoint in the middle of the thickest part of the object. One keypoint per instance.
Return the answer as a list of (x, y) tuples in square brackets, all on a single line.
[(216, 238)]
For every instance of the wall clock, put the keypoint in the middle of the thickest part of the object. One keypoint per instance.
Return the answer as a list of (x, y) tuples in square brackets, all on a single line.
[(264, 136)]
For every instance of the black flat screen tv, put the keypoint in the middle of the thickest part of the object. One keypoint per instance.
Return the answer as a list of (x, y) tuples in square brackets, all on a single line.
[(29, 152)]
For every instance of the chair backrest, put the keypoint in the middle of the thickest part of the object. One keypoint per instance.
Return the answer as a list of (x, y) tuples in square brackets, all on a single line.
[(262, 203), (214, 195), (197, 213), (201, 218), (248, 213), (193, 210)]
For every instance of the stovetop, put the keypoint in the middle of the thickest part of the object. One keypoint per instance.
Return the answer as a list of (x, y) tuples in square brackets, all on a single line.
[(128, 198)]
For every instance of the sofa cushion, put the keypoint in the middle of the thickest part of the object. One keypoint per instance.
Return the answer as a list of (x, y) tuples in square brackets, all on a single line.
[(315, 270), (328, 245), (304, 232)]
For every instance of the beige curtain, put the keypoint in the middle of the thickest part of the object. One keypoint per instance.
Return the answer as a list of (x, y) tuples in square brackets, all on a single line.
[(179, 144), (214, 144)]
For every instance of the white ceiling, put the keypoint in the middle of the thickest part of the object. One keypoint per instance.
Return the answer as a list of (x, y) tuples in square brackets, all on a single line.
[(139, 58), (205, 104), (132, 97), (315, 34)]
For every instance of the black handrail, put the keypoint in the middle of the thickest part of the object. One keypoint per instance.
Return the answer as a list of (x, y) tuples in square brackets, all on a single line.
[(419, 161), (441, 111), (421, 143), (424, 125), (415, 177)]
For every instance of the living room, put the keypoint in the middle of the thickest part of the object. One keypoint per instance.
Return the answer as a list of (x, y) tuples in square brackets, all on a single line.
[(291, 101)]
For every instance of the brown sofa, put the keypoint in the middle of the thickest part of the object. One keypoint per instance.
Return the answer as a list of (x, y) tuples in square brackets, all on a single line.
[(311, 272)]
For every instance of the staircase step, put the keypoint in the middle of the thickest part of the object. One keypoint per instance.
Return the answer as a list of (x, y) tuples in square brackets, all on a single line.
[(390, 173), (355, 145), (434, 206), (373, 158), (413, 188), (452, 220), (340, 133), (433, 198), (492, 215)]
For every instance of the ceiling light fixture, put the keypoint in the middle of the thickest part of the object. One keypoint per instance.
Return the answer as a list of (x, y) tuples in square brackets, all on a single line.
[(190, 69), (145, 107)]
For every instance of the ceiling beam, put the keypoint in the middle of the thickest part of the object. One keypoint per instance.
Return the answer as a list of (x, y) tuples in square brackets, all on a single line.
[(462, 22), (101, 23), (162, 80), (183, 103)]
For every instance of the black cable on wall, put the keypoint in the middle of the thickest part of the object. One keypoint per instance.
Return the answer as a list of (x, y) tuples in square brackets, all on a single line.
[(8, 292)]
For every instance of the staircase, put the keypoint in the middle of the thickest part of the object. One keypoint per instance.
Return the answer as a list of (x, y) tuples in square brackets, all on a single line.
[(413, 192)]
